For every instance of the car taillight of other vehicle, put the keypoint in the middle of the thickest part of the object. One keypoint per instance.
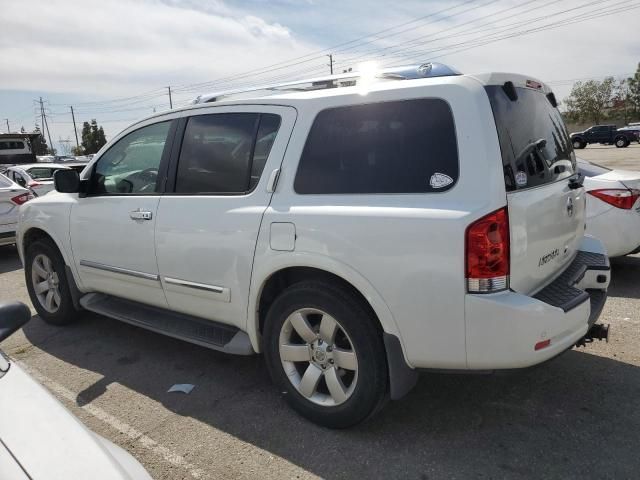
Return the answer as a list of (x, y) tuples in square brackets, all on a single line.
[(618, 197)]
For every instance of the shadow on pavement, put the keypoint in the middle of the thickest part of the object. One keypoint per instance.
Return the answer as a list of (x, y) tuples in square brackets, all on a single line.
[(9, 259), (576, 416), (625, 272)]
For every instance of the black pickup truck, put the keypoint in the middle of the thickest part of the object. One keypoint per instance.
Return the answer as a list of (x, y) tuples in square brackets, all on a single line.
[(606, 134)]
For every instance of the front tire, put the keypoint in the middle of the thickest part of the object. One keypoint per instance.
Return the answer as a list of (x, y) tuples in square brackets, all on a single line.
[(579, 144), (47, 283), (324, 349)]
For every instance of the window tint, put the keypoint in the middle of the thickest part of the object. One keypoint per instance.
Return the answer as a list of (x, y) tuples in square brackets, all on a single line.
[(132, 164), (7, 145), (225, 152), (536, 148), (267, 131), (391, 147)]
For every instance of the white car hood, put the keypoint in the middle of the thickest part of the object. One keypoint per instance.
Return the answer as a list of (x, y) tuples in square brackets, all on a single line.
[(49, 442)]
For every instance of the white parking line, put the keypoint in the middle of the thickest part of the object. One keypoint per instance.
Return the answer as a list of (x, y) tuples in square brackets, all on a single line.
[(135, 435)]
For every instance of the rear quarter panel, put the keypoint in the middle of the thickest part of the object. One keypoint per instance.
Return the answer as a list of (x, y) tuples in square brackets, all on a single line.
[(408, 250)]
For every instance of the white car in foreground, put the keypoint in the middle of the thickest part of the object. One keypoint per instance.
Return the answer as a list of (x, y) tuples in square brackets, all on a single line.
[(613, 209), (39, 438), (12, 196), (35, 176)]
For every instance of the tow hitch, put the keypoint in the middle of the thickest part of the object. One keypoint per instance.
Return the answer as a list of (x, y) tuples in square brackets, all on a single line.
[(596, 332)]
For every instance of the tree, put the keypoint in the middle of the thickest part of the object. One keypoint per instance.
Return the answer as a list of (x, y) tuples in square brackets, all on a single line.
[(77, 151), (93, 138), (589, 100), (39, 144), (634, 92)]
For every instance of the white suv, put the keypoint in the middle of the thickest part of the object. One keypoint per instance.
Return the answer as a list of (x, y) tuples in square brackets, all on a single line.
[(354, 229)]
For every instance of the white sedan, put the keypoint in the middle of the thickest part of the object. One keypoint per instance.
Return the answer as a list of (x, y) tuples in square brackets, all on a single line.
[(39, 438), (37, 177), (12, 196), (613, 209)]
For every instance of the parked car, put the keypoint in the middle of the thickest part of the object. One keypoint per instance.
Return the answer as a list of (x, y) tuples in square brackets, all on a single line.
[(389, 224), (613, 210), (12, 196), (633, 129), (36, 177), (39, 438), (605, 134)]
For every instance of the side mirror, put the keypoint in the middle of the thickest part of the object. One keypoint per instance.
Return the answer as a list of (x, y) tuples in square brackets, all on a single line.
[(66, 181), (12, 316)]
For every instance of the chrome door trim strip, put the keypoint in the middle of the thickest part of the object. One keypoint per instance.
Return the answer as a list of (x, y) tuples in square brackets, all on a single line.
[(197, 286), (124, 271)]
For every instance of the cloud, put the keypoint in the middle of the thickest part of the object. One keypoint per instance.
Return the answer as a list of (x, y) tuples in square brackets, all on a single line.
[(116, 47)]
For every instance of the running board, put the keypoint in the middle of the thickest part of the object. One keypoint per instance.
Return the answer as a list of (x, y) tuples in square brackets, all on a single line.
[(205, 333)]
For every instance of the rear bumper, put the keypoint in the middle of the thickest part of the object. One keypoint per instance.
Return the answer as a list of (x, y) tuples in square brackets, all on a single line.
[(504, 328), (618, 229)]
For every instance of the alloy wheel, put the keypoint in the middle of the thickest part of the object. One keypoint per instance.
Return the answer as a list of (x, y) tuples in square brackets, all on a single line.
[(46, 283), (318, 357)]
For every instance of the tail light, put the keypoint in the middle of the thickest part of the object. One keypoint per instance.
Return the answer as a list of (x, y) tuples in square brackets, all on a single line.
[(618, 197), (22, 198), (487, 253), (33, 183)]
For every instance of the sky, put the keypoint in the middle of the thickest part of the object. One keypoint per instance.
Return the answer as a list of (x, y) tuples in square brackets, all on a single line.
[(113, 60)]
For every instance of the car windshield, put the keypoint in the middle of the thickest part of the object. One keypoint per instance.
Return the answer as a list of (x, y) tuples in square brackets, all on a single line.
[(590, 169), (41, 173)]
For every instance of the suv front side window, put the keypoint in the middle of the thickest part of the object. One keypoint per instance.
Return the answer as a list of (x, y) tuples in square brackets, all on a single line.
[(132, 164)]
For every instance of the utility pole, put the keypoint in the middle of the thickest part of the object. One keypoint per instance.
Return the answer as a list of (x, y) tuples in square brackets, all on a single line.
[(75, 129), (330, 63), (8, 129), (170, 102), (45, 124)]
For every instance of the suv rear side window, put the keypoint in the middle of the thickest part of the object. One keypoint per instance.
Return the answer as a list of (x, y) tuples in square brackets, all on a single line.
[(536, 148), (389, 147), (225, 152)]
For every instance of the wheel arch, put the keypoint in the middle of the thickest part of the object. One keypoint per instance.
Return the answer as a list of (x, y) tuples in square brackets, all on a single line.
[(35, 233), (271, 279)]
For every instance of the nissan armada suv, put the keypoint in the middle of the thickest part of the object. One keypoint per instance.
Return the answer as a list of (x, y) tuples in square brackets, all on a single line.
[(353, 229)]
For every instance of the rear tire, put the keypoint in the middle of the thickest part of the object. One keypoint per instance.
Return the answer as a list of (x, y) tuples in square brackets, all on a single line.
[(621, 142), (333, 365), (47, 283)]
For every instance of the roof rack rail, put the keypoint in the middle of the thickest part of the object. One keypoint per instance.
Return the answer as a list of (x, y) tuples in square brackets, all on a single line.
[(348, 79)]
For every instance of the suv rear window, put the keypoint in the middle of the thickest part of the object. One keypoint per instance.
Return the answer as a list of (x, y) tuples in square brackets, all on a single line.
[(390, 147), (536, 148)]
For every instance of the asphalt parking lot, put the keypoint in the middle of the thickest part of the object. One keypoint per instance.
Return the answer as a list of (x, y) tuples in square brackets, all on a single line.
[(576, 416)]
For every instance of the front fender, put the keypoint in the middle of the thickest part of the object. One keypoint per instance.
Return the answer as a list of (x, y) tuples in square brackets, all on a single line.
[(50, 214)]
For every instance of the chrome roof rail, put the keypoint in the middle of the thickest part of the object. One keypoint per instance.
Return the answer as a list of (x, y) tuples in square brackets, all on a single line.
[(409, 72)]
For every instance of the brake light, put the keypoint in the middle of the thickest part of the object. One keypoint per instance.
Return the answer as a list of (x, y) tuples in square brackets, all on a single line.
[(618, 197), (22, 198), (487, 253), (33, 183)]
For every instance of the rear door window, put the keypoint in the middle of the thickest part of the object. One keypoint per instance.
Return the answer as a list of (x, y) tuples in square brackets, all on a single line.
[(536, 148), (225, 153), (389, 147)]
